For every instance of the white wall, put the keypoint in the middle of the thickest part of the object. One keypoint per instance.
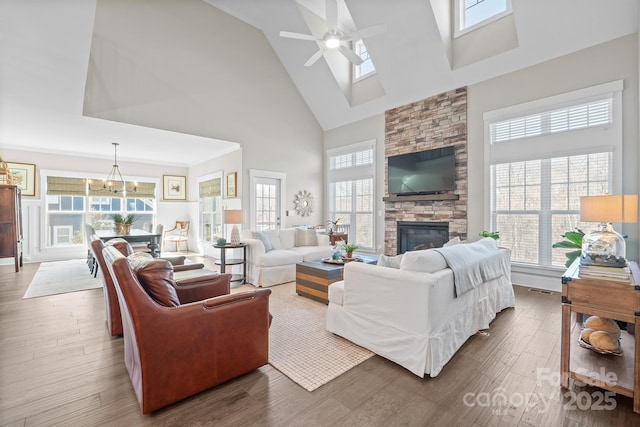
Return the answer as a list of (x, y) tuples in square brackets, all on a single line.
[(171, 67)]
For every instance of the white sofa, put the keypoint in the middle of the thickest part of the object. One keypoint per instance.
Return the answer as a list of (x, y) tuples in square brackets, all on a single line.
[(410, 314), (273, 254)]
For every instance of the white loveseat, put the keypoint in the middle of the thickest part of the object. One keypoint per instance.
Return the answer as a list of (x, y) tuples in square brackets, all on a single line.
[(410, 315), (273, 254)]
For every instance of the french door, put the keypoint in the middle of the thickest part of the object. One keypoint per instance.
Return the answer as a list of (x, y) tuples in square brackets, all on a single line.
[(266, 196)]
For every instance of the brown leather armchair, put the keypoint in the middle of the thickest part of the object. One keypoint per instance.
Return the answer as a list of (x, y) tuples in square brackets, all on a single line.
[(191, 281), (174, 351)]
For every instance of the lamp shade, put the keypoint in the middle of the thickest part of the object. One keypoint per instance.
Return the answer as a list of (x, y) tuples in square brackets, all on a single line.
[(609, 208), (233, 216)]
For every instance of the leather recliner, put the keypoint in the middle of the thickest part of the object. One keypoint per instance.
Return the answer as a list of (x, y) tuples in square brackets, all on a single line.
[(191, 281), (173, 350)]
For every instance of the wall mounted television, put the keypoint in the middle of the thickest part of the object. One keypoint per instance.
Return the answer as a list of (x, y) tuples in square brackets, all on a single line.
[(424, 172)]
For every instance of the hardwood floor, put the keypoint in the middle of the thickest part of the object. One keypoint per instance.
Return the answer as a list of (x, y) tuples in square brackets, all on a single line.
[(58, 366)]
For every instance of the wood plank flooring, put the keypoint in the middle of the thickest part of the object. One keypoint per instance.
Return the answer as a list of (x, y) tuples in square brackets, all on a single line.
[(59, 366)]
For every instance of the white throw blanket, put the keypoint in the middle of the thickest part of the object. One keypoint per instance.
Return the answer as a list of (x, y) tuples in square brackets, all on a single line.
[(472, 263)]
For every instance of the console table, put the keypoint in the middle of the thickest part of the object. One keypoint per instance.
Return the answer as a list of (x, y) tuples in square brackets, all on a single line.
[(224, 261), (605, 298)]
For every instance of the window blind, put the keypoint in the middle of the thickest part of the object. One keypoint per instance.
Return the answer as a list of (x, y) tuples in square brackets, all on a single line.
[(63, 186), (210, 188)]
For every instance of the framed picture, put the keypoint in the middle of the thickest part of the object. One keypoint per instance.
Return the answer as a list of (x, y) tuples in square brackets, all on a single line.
[(24, 176), (174, 187), (232, 182)]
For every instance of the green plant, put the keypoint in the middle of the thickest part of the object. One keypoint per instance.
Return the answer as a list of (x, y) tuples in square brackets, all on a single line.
[(124, 219), (573, 240), (493, 234), (349, 247)]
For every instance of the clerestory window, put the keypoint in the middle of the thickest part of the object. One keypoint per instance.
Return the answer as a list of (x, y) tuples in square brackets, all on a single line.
[(474, 13), (366, 68)]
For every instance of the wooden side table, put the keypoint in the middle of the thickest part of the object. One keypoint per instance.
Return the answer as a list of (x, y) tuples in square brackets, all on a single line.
[(335, 238), (224, 261), (613, 300)]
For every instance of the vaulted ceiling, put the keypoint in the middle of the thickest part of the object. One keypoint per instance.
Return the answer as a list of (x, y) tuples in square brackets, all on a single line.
[(44, 51)]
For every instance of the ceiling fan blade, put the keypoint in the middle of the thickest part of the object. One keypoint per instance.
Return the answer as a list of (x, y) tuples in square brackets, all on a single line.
[(314, 58), (365, 32), (299, 36), (350, 55), (332, 14)]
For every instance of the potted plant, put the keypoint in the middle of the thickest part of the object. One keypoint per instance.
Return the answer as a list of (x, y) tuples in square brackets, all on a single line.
[(493, 234), (332, 225), (348, 248), (123, 223), (573, 240)]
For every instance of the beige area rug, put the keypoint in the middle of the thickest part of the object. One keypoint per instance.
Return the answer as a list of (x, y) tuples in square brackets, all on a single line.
[(59, 277), (299, 345)]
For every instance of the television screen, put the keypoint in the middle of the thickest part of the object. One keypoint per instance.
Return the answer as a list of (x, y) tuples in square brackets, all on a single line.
[(424, 172)]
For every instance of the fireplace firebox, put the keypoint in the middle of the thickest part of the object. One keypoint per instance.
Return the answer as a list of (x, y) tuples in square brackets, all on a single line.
[(414, 236)]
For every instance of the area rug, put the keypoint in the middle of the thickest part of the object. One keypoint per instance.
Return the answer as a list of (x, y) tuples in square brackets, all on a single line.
[(299, 345), (59, 277)]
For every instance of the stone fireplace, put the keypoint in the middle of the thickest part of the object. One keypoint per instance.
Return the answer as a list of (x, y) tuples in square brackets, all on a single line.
[(439, 121), (415, 236)]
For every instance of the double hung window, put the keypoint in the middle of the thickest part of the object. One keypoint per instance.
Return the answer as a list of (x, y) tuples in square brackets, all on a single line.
[(543, 160), (351, 176)]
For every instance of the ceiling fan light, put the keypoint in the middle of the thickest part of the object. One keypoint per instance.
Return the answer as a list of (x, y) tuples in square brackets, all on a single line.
[(332, 42)]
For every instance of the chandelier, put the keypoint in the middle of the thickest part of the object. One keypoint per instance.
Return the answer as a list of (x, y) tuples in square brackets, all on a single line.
[(108, 184)]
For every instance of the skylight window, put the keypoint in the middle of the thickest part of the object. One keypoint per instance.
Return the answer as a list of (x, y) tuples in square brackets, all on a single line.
[(366, 68), (473, 13)]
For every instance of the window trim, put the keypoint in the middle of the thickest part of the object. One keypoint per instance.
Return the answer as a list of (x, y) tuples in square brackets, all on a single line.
[(458, 31)]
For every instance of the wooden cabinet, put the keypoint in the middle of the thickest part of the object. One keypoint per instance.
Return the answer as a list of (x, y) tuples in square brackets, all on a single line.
[(11, 224), (605, 298)]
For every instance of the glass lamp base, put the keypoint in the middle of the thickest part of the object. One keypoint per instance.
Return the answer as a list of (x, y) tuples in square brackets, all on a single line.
[(604, 247)]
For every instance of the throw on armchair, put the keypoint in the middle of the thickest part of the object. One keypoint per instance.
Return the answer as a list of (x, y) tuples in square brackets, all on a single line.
[(173, 351), (192, 282)]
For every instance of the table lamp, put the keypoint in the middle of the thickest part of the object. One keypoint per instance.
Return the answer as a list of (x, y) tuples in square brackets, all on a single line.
[(605, 246), (234, 216)]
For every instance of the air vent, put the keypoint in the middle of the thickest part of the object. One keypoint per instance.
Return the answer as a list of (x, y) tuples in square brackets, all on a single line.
[(540, 291)]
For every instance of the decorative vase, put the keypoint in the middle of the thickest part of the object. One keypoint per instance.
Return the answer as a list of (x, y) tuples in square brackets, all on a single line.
[(349, 255), (118, 227), (125, 228)]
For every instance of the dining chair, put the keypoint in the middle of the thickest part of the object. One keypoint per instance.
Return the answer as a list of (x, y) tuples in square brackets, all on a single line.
[(177, 235)]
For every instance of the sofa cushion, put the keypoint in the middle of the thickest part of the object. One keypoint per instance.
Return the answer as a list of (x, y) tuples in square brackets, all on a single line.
[(287, 238), (156, 277), (389, 261), (258, 235), (313, 253), (306, 237), (274, 238), (425, 261), (278, 257)]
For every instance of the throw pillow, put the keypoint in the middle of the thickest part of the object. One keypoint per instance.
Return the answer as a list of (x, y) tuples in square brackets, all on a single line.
[(288, 238), (265, 241), (425, 261), (306, 237), (156, 277), (389, 261), (274, 238), (452, 242)]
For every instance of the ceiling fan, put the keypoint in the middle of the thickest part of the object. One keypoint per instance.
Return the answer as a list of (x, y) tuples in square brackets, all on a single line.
[(334, 38)]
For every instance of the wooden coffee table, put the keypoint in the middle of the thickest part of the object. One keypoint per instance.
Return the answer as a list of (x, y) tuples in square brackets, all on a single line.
[(314, 277)]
